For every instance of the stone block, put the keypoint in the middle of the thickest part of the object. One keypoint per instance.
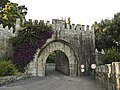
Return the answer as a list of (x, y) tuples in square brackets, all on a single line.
[(108, 68), (117, 68)]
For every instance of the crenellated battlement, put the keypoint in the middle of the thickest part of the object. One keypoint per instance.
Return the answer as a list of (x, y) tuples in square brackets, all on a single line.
[(6, 32), (60, 25), (57, 25), (36, 22)]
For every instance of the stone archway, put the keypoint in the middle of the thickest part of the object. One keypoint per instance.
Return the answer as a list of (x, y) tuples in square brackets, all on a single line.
[(37, 66)]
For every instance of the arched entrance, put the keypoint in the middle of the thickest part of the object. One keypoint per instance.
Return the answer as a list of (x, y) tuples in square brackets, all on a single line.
[(37, 66), (58, 61)]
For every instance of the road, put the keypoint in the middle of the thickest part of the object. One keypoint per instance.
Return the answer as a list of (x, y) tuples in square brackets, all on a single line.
[(54, 81)]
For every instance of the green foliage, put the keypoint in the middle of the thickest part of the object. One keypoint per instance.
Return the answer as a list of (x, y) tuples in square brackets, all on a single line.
[(7, 68), (30, 33), (10, 12), (28, 40), (107, 33), (3, 3), (107, 37), (111, 55), (51, 58), (5, 58)]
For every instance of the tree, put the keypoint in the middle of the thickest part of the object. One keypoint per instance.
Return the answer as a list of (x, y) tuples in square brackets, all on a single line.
[(116, 27), (11, 12), (23, 10), (111, 55), (107, 33), (107, 37), (3, 3)]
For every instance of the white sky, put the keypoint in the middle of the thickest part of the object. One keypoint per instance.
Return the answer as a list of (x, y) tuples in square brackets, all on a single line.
[(80, 11)]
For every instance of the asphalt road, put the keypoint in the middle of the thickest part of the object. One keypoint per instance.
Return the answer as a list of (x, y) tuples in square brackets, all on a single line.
[(54, 81)]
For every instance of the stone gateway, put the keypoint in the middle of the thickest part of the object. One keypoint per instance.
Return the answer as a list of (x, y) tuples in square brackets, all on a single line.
[(76, 42)]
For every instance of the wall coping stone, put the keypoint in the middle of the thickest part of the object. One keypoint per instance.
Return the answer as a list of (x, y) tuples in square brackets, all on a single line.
[(8, 79)]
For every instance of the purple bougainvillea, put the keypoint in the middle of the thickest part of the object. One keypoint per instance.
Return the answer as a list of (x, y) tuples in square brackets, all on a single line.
[(27, 42)]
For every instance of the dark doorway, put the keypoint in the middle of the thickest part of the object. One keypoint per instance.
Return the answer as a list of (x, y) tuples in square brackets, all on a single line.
[(58, 61)]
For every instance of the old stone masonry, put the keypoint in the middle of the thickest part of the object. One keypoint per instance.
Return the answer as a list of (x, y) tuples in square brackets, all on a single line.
[(76, 42)]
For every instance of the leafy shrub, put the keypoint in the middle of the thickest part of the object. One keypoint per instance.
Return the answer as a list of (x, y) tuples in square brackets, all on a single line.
[(111, 55), (27, 42), (7, 68)]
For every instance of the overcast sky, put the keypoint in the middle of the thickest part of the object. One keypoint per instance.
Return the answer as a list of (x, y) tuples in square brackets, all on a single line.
[(80, 11)]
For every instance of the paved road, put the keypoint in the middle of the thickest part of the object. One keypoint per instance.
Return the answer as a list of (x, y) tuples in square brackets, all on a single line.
[(54, 81)]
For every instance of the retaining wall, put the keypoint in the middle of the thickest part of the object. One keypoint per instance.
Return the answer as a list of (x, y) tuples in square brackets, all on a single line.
[(109, 75)]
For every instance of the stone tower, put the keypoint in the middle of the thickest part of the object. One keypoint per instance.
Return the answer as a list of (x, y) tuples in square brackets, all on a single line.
[(81, 38)]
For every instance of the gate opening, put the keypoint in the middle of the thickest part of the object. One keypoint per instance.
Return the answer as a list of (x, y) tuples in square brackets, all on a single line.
[(57, 61)]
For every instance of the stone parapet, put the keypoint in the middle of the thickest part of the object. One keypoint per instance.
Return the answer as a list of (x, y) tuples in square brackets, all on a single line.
[(109, 75)]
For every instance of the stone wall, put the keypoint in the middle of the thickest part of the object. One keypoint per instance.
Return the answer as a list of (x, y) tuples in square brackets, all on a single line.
[(62, 63), (5, 35), (5, 46), (109, 75)]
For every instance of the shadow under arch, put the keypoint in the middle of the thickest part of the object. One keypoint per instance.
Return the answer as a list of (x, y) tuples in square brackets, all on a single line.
[(57, 61)]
